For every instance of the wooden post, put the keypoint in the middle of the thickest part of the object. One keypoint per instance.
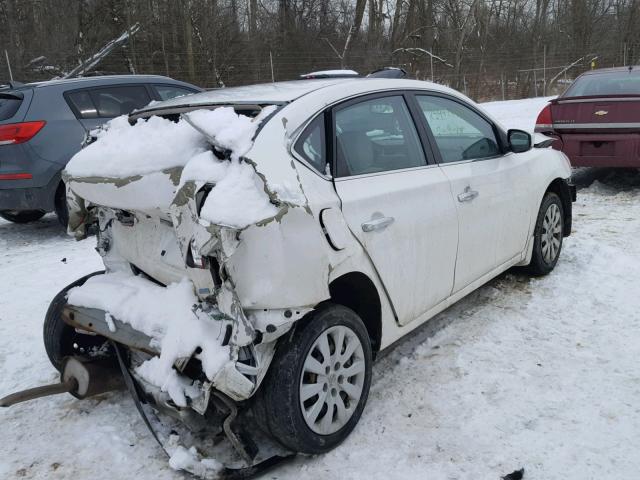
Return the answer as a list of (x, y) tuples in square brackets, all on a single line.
[(273, 78)]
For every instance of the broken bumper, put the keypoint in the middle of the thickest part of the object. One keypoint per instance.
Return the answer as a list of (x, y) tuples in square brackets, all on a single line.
[(229, 380)]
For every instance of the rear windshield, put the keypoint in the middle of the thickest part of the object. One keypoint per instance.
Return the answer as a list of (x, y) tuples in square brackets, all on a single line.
[(614, 83), (8, 106)]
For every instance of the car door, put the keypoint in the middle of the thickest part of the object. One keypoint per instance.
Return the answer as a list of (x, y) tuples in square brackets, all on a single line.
[(395, 202), (490, 187)]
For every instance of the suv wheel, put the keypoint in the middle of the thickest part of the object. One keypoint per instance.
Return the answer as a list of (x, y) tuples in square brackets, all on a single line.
[(22, 216), (60, 202), (548, 235), (318, 382), (62, 340)]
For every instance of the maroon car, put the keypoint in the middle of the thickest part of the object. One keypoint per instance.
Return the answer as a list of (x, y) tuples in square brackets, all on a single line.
[(597, 120)]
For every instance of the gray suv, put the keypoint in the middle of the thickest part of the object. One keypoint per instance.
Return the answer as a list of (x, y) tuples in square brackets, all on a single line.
[(42, 125)]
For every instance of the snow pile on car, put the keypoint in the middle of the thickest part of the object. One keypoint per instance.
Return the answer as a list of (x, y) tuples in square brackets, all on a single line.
[(123, 150), (226, 129), (137, 161), (239, 197), (166, 315)]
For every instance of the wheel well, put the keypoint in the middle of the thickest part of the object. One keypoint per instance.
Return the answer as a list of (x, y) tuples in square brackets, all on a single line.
[(60, 193), (561, 188), (356, 291)]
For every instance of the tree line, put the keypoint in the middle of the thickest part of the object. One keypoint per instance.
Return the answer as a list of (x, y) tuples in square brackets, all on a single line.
[(490, 49)]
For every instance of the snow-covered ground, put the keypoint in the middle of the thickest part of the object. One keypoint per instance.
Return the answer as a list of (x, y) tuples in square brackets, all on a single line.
[(520, 114), (534, 373)]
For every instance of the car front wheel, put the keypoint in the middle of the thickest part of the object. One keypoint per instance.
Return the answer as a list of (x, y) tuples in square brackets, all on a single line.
[(548, 235), (318, 382)]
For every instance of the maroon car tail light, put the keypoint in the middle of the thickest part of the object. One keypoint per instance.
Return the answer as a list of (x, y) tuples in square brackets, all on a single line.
[(15, 133), (544, 121)]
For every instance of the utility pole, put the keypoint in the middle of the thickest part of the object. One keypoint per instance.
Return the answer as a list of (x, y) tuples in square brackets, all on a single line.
[(6, 54)]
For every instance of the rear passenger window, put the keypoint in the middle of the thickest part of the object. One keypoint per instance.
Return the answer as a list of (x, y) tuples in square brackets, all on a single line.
[(82, 105), (167, 92), (376, 135), (311, 145), (9, 105), (460, 133), (108, 102), (115, 101)]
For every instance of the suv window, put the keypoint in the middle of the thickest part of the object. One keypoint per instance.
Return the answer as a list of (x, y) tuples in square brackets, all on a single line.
[(460, 133), (82, 105), (376, 135), (9, 105), (167, 92), (311, 144), (108, 102)]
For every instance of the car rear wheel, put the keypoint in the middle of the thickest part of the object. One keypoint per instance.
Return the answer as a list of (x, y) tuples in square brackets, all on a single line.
[(318, 382), (62, 340), (548, 235), (22, 216), (62, 211)]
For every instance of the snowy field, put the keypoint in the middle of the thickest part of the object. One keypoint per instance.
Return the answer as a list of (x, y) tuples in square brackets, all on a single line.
[(534, 373)]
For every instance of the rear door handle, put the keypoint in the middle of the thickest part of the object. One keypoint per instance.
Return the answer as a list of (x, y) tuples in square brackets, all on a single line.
[(377, 224), (467, 195)]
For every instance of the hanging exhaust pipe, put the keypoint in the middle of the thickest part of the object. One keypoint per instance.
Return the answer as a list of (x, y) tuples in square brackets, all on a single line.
[(80, 378)]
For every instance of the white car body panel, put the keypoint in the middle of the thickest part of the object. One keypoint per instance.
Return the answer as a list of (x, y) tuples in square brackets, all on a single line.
[(424, 228), (436, 250)]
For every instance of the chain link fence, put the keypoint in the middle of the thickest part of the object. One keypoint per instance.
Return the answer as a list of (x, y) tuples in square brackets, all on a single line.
[(482, 75)]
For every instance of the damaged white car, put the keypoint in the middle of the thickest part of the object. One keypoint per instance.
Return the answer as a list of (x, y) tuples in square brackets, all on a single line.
[(262, 244)]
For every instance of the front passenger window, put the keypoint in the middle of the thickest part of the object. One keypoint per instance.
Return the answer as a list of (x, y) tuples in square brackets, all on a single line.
[(376, 136), (460, 133)]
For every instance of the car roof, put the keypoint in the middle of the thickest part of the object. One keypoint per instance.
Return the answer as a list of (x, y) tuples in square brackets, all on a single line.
[(100, 80), (280, 93), (629, 69), (263, 93)]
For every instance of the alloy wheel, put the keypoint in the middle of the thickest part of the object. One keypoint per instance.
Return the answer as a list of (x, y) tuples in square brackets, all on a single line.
[(332, 380), (551, 235)]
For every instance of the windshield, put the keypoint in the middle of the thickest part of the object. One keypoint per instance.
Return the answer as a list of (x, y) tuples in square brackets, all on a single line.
[(614, 83)]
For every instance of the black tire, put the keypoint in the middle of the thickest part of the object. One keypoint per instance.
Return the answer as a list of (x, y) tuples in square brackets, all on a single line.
[(540, 265), (62, 210), (23, 216), (279, 398), (60, 338)]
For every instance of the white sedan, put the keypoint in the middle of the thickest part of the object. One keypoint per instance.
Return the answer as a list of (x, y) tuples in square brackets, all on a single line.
[(262, 244)]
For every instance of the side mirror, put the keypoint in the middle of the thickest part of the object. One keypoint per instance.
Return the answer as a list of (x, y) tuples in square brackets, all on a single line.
[(519, 141)]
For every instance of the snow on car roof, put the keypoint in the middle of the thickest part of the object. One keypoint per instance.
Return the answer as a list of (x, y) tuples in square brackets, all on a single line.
[(330, 73), (262, 93)]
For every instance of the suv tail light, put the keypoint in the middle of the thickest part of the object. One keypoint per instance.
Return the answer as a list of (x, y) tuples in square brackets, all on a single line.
[(544, 121), (14, 133)]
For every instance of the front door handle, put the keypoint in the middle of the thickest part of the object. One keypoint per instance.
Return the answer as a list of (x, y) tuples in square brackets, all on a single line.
[(377, 224), (467, 195)]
